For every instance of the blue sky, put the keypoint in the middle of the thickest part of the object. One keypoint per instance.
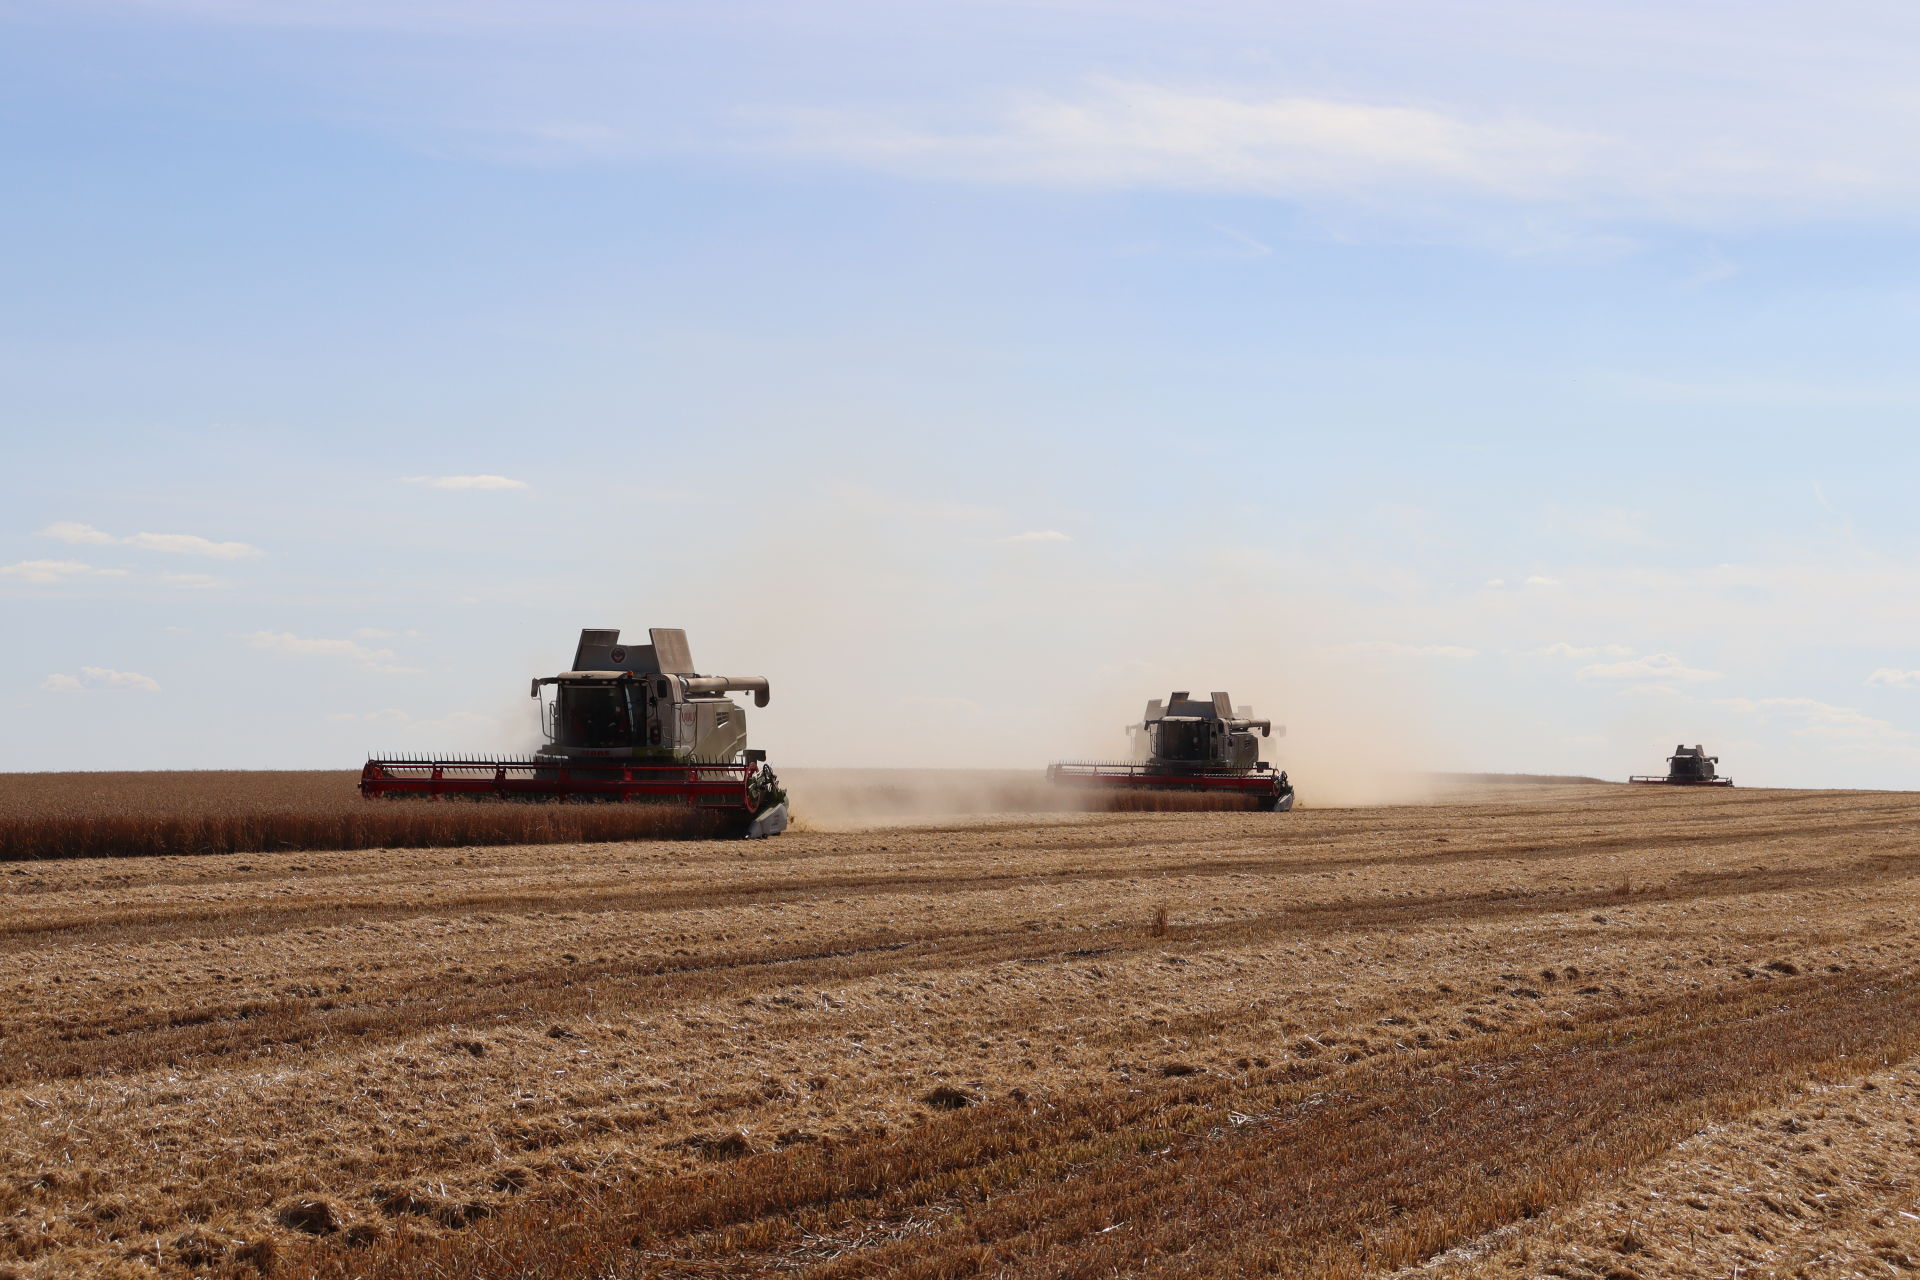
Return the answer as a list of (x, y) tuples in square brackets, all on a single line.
[(1469, 385)]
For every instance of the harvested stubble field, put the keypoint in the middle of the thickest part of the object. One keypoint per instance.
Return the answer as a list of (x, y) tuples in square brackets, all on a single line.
[(1559, 1030)]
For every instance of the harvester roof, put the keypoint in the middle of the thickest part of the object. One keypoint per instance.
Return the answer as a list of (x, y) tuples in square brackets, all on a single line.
[(600, 650), (1181, 705)]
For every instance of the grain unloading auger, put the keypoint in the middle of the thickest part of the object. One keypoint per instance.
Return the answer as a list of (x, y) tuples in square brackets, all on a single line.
[(1688, 767), (628, 723), (1187, 746)]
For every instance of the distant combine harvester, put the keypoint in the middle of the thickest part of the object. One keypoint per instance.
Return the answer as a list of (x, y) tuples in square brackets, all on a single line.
[(1190, 746), (1687, 767)]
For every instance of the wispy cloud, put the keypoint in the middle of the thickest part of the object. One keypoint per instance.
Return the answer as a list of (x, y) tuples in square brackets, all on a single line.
[(186, 544), (101, 680), (45, 571), (1653, 667), (1117, 133), (1245, 246), (1895, 678), (1844, 729), (1614, 161), (1038, 535), (1667, 112), (484, 482), (315, 646)]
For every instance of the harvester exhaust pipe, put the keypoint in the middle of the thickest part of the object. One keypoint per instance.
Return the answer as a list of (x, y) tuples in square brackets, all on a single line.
[(1240, 721)]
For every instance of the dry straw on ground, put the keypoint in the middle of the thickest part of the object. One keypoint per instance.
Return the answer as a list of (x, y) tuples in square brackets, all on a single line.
[(1574, 1032)]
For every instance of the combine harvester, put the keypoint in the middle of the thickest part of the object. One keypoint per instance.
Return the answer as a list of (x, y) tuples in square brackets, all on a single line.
[(628, 723), (1188, 748), (1687, 767)]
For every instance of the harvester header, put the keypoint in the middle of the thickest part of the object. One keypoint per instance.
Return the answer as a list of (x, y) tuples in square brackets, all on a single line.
[(628, 722)]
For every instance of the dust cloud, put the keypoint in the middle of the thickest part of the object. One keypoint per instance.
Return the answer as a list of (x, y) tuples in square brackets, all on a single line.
[(925, 644)]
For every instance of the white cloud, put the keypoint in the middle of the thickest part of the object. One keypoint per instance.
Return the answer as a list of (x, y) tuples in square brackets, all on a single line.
[(186, 544), (1897, 679), (101, 680), (1653, 667), (44, 571), (287, 642), (371, 633), (1846, 730), (1565, 650), (70, 531), (313, 646), (1539, 581), (1039, 535), (1245, 246), (467, 482), (1495, 582), (1390, 648), (1666, 111), (1700, 151), (1117, 133)]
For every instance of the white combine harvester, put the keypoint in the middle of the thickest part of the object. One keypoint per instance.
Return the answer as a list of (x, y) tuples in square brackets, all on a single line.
[(628, 723), (1190, 746), (1687, 767)]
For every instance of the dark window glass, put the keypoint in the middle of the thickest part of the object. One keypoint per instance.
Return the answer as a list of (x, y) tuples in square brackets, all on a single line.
[(595, 716)]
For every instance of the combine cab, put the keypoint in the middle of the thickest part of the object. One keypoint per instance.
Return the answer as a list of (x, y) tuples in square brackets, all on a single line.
[(1186, 746), (1688, 767), (629, 722)]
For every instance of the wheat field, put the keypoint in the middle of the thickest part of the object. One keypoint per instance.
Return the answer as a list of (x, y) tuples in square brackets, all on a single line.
[(143, 815), (1511, 1032)]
